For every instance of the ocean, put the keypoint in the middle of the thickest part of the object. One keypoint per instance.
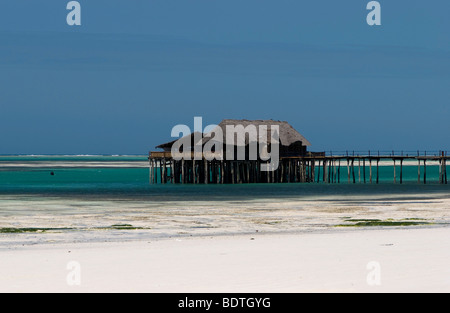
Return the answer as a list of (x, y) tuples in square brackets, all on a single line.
[(44, 198)]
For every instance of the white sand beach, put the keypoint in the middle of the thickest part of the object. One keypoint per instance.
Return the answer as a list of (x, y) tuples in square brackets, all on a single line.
[(271, 245), (340, 260)]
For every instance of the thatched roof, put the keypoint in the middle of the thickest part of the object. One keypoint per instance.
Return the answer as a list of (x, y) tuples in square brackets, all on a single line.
[(288, 135)]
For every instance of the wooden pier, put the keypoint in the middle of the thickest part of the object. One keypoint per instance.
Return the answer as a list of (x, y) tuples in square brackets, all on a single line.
[(309, 168), (295, 163)]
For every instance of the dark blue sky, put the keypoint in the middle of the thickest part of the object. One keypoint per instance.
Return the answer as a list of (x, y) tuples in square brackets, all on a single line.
[(118, 83)]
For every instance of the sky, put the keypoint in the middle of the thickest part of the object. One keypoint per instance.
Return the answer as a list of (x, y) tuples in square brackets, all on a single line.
[(132, 70)]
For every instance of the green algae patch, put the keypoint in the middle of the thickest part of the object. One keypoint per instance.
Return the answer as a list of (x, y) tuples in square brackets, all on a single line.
[(123, 227), (388, 222), (13, 230), (363, 220), (22, 230)]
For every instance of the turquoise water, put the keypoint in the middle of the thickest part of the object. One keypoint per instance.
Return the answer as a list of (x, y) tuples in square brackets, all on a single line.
[(128, 177), (88, 194)]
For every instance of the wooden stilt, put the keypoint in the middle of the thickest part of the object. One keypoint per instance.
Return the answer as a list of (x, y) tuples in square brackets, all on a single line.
[(206, 171), (395, 173), (424, 171), (359, 170), (401, 171), (289, 173), (378, 171), (172, 171), (318, 172), (150, 164), (339, 171), (348, 169), (183, 172), (232, 173), (222, 171), (353, 170), (418, 172), (364, 170), (194, 175), (445, 171)]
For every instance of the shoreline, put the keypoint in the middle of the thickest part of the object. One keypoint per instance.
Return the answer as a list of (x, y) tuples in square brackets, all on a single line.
[(410, 259)]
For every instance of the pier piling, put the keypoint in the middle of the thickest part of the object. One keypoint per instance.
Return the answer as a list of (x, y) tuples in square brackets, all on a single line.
[(312, 168)]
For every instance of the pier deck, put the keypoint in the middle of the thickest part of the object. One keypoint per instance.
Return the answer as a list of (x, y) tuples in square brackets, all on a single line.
[(309, 168)]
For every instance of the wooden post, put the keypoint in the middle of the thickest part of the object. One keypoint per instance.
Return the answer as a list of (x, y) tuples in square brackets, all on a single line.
[(364, 170), (300, 170), (150, 166), (213, 166), (172, 171), (205, 161), (176, 172), (442, 168), (183, 176), (232, 172), (424, 171), (165, 170), (161, 171), (395, 173), (348, 169), (339, 171), (304, 171), (222, 171), (418, 172), (217, 171), (289, 171), (247, 165), (445, 171), (238, 172), (359, 170), (226, 172), (155, 171), (401, 171), (161, 168), (292, 161), (334, 171), (378, 172), (353, 170), (370, 170), (330, 174), (273, 173), (258, 171), (193, 172), (318, 172)]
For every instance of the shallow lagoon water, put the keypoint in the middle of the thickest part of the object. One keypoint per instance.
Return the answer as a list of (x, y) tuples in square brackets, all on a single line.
[(87, 196)]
